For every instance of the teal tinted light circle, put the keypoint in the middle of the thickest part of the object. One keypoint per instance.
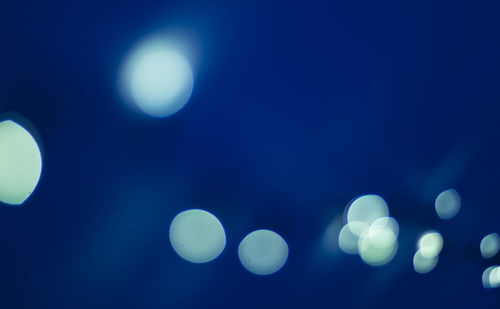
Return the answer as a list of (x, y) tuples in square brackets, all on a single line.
[(448, 204), (20, 163), (263, 252), (197, 236)]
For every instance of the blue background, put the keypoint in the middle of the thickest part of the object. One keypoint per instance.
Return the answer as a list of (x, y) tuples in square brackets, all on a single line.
[(298, 107)]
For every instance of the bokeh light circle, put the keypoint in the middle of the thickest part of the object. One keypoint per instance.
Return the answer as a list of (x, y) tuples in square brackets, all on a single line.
[(348, 240), (158, 78), (490, 277), (367, 208), (377, 245), (263, 252), (494, 277), (197, 236), (448, 204), (423, 264), (490, 245), (430, 244), (20, 163)]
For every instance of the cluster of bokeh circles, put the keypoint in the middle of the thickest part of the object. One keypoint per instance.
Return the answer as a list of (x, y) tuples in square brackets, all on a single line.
[(369, 231), (157, 79)]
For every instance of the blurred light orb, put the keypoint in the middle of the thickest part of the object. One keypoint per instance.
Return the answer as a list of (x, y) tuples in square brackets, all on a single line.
[(20, 163), (380, 236), (491, 277), (490, 245), (430, 244), (377, 245), (448, 204), (423, 264), (197, 236), (159, 78), (348, 240), (494, 277), (263, 252), (387, 223), (367, 209)]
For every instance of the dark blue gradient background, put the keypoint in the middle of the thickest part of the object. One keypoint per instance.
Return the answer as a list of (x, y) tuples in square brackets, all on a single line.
[(298, 107)]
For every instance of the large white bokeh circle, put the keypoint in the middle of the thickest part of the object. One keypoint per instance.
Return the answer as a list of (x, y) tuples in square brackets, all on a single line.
[(367, 208), (263, 252), (20, 163), (159, 79), (197, 236)]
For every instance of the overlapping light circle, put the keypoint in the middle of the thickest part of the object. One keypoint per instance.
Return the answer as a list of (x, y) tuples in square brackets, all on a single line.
[(491, 277), (429, 246), (369, 231), (424, 264)]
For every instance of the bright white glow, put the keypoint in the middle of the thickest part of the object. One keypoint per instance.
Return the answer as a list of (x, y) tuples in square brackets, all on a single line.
[(377, 245), (348, 240), (158, 78), (369, 231), (491, 277), (367, 208), (490, 245), (495, 277), (430, 244), (20, 163), (448, 204), (263, 252), (423, 264), (388, 223), (197, 236)]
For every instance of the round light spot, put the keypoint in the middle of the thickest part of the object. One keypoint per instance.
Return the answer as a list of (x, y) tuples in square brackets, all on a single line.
[(377, 246), (20, 163), (263, 252), (487, 276), (448, 204), (430, 244), (159, 79), (197, 236), (348, 240), (423, 264), (387, 223), (367, 208), (490, 245), (380, 236), (494, 277)]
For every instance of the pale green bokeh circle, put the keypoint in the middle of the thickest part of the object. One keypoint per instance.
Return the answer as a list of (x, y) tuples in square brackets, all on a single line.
[(378, 245), (349, 236), (494, 277), (487, 276), (367, 208), (197, 236), (490, 245), (20, 163), (430, 244), (423, 264), (263, 252), (448, 204)]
